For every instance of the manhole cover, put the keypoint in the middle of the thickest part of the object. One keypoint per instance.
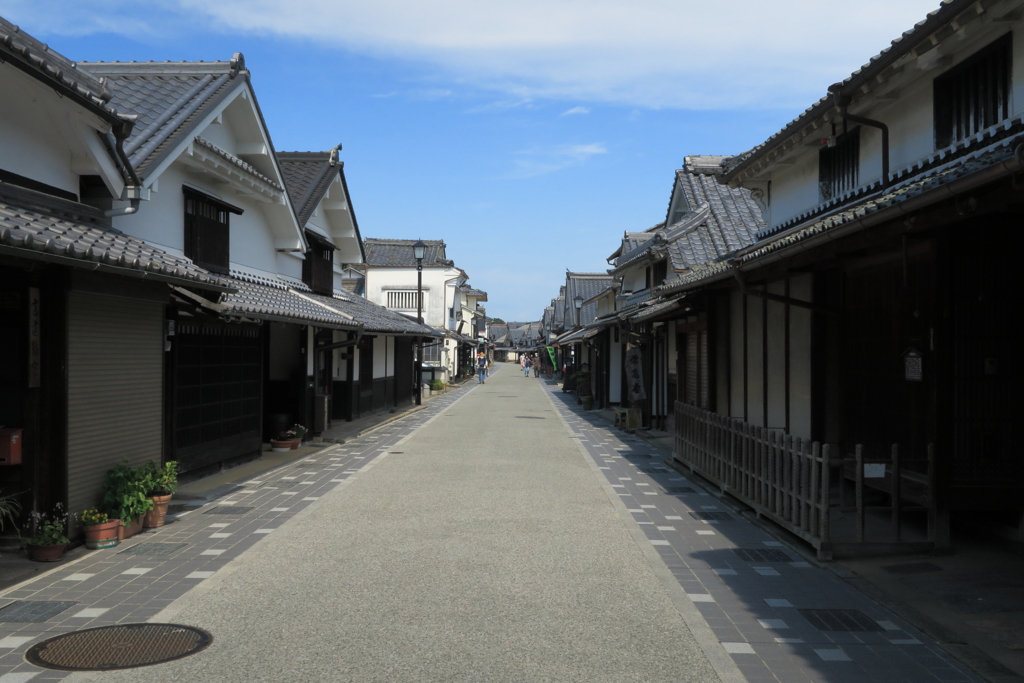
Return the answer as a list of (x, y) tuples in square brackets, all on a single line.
[(123, 646), (849, 620), (761, 555), (153, 549), (678, 490), (712, 516), (33, 611), (229, 510)]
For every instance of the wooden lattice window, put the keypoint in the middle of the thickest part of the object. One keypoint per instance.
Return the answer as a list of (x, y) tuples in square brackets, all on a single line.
[(839, 166), (402, 300), (318, 268), (974, 95), (208, 231)]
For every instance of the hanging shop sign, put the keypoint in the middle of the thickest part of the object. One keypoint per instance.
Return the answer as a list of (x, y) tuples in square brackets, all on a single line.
[(635, 375)]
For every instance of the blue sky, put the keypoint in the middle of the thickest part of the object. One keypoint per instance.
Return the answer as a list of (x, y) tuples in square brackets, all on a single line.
[(527, 135)]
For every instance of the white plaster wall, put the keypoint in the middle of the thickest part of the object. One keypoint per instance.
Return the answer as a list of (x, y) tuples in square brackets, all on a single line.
[(634, 279), (31, 144), (379, 280), (909, 117), (379, 357)]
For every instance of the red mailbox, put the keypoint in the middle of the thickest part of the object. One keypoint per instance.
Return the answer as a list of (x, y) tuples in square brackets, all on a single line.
[(10, 446)]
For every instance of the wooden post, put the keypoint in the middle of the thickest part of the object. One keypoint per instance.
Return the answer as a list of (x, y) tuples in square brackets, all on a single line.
[(930, 495), (821, 458), (860, 493), (895, 488)]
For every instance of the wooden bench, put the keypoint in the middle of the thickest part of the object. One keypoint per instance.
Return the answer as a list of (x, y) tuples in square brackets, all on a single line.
[(621, 415)]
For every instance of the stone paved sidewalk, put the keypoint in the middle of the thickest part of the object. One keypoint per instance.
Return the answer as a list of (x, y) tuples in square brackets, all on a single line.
[(136, 580), (780, 617)]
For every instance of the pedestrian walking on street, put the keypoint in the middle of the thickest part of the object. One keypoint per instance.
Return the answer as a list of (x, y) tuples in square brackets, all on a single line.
[(536, 366), (526, 367), (481, 368)]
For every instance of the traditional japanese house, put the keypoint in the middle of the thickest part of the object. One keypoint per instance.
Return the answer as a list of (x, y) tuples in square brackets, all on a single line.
[(864, 342), (85, 332)]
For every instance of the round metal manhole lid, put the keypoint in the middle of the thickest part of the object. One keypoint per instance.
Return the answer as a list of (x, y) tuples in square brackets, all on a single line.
[(123, 646)]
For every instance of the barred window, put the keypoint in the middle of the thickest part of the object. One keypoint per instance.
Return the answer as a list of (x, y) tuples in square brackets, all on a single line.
[(207, 231), (839, 166), (974, 95), (403, 300), (432, 354)]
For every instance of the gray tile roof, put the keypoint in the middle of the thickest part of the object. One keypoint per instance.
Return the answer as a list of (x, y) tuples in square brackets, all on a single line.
[(398, 253), (479, 293), (721, 221), (586, 285), (267, 300), (38, 226), (959, 11), (372, 317), (999, 156), (249, 169), (50, 65), (307, 176), (169, 99)]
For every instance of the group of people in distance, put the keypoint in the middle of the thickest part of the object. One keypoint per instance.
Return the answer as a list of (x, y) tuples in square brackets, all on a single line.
[(528, 361)]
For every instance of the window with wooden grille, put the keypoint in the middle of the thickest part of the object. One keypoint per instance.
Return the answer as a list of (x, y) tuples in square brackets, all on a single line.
[(974, 95), (401, 300), (207, 232), (839, 166), (318, 268)]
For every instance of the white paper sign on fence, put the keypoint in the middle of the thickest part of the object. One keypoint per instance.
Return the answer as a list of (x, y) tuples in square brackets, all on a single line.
[(874, 470)]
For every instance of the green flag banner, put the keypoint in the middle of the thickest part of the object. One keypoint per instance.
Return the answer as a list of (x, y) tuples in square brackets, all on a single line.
[(551, 353)]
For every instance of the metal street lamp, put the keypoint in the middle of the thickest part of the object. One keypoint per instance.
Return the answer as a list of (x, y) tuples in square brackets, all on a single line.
[(578, 301), (418, 251)]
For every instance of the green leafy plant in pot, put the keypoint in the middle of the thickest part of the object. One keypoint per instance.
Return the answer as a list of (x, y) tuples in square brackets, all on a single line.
[(163, 482), (49, 535), (126, 497)]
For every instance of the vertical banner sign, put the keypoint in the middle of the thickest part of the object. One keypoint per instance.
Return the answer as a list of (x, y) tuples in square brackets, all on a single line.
[(551, 355), (635, 375), (34, 339)]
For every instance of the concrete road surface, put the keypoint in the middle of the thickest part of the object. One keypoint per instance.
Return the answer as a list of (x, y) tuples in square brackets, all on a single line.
[(486, 550)]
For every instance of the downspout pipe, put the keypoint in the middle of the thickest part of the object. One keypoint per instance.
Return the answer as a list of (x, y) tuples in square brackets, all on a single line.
[(842, 101), (133, 189)]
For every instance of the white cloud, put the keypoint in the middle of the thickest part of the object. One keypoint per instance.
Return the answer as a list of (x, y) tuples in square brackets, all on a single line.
[(541, 160), (652, 53), (576, 110)]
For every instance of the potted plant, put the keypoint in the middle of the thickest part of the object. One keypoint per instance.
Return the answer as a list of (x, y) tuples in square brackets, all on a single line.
[(49, 535), (436, 385), (125, 497), (283, 442), (10, 508), (300, 434), (163, 482), (100, 530)]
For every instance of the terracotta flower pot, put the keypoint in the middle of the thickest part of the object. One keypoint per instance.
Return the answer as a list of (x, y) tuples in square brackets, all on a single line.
[(296, 443), (155, 517), (280, 446), (102, 535), (46, 553), (127, 531)]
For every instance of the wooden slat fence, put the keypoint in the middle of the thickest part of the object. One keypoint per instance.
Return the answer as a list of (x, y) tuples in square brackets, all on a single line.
[(779, 475), (790, 480)]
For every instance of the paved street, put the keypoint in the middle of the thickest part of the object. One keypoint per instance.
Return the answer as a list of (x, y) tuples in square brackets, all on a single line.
[(500, 534)]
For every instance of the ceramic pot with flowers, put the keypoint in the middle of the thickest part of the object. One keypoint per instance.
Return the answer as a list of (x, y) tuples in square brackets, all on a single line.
[(300, 433), (100, 531)]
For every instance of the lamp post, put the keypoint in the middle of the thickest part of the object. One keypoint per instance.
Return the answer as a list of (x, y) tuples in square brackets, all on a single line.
[(578, 301), (418, 250)]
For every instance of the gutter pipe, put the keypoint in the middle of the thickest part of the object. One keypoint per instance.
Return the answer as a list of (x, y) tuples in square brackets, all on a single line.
[(842, 101), (343, 344)]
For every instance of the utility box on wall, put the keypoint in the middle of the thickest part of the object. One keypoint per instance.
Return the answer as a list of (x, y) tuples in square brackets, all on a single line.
[(10, 446)]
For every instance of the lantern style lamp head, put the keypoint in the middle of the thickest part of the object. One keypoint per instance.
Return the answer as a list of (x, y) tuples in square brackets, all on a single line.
[(578, 301), (419, 249)]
